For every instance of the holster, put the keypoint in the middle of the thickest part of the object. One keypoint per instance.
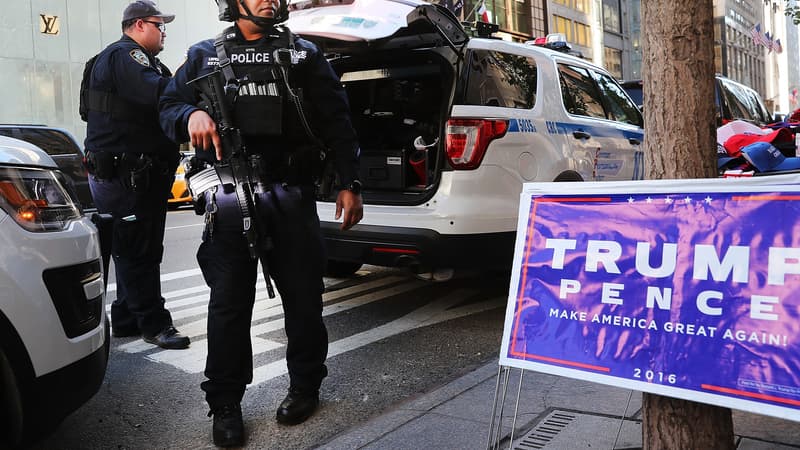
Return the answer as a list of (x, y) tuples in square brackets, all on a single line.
[(102, 165), (135, 170)]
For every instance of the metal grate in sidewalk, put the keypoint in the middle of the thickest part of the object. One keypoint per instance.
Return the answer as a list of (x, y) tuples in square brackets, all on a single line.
[(545, 431), (566, 430)]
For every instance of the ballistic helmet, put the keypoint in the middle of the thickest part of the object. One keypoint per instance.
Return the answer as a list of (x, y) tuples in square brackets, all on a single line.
[(229, 12)]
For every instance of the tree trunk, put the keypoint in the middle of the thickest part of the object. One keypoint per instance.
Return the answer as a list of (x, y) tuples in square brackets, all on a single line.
[(680, 142), (671, 423), (678, 77)]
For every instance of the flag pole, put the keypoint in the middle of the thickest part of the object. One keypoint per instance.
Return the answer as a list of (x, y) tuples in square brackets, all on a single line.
[(474, 8)]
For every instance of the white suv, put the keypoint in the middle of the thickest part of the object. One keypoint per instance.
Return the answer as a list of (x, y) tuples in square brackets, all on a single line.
[(450, 127), (53, 330)]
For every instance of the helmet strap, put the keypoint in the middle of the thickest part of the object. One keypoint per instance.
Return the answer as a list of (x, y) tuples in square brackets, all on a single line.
[(261, 22)]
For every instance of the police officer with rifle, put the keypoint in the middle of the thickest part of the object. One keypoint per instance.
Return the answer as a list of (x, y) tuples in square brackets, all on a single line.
[(265, 110), (132, 166)]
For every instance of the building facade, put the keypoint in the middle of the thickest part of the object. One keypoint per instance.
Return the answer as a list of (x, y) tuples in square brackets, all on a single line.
[(736, 55), (44, 45)]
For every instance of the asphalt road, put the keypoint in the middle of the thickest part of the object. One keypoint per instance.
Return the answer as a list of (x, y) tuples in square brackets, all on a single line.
[(392, 337)]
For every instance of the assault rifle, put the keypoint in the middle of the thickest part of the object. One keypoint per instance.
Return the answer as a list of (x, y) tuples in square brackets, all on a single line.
[(238, 167)]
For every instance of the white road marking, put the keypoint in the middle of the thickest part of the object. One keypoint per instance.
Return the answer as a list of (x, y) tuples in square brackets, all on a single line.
[(112, 287), (429, 314), (192, 290), (186, 226), (198, 327), (271, 308), (192, 360)]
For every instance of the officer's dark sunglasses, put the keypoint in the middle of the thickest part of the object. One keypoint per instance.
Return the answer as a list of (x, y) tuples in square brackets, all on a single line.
[(162, 27)]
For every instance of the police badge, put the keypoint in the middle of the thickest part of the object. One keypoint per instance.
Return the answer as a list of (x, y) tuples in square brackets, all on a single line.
[(139, 56)]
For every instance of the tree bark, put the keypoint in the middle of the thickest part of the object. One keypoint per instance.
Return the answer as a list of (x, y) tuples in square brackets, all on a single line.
[(671, 423), (678, 77), (680, 142)]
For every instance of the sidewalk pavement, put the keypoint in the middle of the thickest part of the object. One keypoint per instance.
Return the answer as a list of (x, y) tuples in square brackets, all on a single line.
[(554, 413)]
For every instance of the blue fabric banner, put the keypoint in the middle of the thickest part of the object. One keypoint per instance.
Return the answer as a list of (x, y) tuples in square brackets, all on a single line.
[(690, 290)]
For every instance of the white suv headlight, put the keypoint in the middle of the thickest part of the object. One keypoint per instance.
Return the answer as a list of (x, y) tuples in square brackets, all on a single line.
[(36, 199)]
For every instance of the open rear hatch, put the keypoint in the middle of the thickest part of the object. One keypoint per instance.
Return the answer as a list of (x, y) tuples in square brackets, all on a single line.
[(349, 25), (398, 61)]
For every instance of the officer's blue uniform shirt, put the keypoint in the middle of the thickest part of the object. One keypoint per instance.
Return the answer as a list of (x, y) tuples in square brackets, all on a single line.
[(128, 71), (325, 104)]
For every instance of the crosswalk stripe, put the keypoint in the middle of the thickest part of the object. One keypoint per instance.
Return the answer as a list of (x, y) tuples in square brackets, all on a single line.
[(408, 322), (112, 287), (204, 290), (196, 363), (271, 308), (193, 359), (199, 289)]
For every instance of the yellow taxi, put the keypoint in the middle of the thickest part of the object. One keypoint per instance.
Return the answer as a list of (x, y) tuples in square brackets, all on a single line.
[(179, 195)]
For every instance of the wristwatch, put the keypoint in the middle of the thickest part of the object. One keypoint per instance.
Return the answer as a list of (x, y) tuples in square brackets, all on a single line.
[(354, 187)]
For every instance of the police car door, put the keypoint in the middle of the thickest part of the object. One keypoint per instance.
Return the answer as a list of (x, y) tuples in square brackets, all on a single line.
[(604, 125)]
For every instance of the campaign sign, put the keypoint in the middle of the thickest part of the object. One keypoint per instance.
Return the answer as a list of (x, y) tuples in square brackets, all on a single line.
[(683, 288)]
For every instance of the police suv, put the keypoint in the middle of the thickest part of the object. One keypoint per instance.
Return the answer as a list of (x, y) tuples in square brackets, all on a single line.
[(450, 128), (54, 337)]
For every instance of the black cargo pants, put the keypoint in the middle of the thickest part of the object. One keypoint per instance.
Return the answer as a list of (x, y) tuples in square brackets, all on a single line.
[(296, 263), (137, 245)]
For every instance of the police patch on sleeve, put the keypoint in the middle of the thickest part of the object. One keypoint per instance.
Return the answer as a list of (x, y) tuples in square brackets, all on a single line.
[(139, 56)]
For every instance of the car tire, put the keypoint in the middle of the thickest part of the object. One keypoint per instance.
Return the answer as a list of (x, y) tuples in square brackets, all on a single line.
[(11, 409), (341, 269)]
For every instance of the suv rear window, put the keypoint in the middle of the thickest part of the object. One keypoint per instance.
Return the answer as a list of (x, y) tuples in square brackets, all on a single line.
[(500, 79), (594, 94), (580, 93), (743, 103), (619, 106)]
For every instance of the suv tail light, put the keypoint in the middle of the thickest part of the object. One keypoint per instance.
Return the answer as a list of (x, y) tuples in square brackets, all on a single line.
[(467, 140)]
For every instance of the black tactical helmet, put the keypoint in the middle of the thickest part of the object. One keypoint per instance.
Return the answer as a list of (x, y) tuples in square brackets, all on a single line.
[(229, 12)]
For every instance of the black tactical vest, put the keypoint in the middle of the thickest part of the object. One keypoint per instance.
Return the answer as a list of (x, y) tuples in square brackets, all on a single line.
[(259, 105)]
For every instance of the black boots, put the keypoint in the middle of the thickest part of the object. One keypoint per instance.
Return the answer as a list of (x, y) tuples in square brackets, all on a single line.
[(169, 338), (228, 428), (297, 406)]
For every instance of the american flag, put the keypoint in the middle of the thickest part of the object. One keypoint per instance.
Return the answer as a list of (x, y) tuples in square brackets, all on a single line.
[(756, 35), (777, 46), (483, 13)]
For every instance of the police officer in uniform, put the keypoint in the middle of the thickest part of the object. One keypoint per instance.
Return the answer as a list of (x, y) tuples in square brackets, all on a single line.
[(132, 166), (267, 70)]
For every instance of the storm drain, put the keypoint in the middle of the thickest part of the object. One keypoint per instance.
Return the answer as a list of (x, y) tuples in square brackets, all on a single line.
[(565, 430), (545, 431)]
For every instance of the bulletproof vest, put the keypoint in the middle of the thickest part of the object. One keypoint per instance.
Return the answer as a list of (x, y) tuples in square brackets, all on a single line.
[(260, 104)]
